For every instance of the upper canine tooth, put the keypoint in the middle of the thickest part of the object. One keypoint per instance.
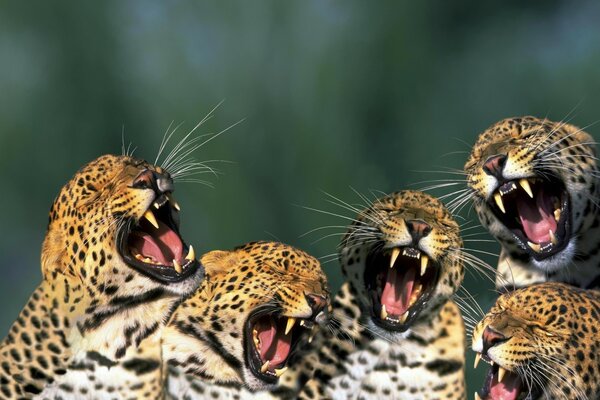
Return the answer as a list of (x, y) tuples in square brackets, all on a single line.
[(395, 254), (384, 313), (557, 214), (173, 202), (501, 372), (191, 254), (264, 367), (535, 247), (498, 199), (525, 185), (477, 359), (290, 324), (151, 218), (281, 371), (424, 262), (177, 266), (477, 396), (552, 237)]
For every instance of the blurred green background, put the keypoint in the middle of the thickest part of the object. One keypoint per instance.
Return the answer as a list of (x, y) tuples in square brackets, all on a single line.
[(335, 94)]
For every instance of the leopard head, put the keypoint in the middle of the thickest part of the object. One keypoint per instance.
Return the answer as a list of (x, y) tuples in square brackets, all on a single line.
[(402, 256), (541, 342), (260, 303), (534, 184)]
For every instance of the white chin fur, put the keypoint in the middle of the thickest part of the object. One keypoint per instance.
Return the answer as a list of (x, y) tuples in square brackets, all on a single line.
[(188, 286), (558, 261), (389, 336), (254, 384)]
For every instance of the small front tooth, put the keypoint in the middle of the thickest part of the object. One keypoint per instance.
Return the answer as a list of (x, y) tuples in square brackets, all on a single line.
[(302, 322), (290, 324), (395, 254), (281, 371), (535, 247), (265, 367), (191, 254), (501, 372), (424, 262), (384, 313), (498, 199), (177, 266), (477, 359), (477, 396), (173, 202), (139, 257), (156, 205), (151, 218), (557, 214), (403, 317), (525, 185), (552, 237)]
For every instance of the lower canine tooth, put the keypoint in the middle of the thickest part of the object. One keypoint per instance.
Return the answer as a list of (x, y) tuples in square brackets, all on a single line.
[(264, 367), (384, 313), (498, 199), (177, 266), (404, 316), (281, 371), (535, 247), (552, 237), (557, 214), (191, 254)]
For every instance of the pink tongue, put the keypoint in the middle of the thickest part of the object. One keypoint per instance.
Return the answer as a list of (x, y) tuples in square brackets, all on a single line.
[(274, 344), (397, 290), (508, 389), (537, 217), (162, 244)]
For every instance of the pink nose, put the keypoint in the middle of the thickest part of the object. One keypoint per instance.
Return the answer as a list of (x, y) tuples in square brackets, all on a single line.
[(494, 165), (491, 337), (316, 302), (418, 229)]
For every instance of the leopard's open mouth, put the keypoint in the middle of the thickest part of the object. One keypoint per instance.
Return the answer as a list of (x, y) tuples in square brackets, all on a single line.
[(400, 282), (537, 212), (153, 245), (270, 342), (502, 384)]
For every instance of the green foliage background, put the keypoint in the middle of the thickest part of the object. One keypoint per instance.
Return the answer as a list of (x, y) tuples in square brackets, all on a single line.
[(335, 94)]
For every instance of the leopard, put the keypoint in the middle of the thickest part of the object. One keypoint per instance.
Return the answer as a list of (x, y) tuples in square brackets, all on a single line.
[(541, 342), (249, 322), (398, 332), (114, 268), (534, 185)]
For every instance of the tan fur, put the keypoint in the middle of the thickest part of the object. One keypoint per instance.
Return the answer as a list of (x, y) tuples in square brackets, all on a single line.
[(91, 310), (551, 339)]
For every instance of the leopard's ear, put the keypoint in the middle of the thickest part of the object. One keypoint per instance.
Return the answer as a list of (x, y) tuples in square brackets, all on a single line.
[(219, 261)]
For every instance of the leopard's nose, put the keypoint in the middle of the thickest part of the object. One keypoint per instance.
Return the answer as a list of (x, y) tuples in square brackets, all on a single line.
[(159, 182), (494, 165), (491, 337)]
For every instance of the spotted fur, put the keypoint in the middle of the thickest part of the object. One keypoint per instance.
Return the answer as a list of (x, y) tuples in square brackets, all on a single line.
[(79, 333), (547, 334), (205, 341), (541, 149), (424, 359)]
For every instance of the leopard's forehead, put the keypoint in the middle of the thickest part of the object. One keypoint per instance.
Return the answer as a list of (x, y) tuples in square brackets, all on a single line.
[(280, 257), (412, 204)]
